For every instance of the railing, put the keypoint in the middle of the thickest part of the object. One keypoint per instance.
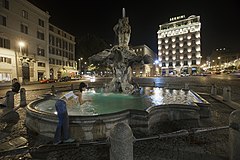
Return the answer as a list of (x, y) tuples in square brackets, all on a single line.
[(175, 142)]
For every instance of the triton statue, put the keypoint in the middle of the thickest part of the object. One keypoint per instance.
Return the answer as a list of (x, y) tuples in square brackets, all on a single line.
[(121, 59)]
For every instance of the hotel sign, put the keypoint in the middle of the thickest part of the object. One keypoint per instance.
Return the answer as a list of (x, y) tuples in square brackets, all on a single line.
[(177, 18)]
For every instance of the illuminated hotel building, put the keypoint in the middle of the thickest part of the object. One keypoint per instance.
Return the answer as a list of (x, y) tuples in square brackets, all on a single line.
[(179, 45)]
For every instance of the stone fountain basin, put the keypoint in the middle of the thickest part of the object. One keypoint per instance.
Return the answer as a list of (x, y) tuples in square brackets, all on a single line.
[(95, 127)]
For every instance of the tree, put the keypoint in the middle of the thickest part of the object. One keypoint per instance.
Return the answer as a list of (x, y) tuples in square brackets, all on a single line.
[(89, 45)]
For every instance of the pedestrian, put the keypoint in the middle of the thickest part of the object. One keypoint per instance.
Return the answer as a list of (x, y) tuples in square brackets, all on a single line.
[(62, 130), (15, 85)]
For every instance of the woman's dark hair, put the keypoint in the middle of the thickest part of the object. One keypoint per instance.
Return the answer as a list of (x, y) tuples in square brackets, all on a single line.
[(82, 85)]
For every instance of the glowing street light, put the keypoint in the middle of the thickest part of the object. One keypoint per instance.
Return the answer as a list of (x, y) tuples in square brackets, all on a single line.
[(80, 67), (21, 44)]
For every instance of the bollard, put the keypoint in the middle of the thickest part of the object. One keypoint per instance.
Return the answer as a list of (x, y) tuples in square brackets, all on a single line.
[(10, 99), (154, 84), (186, 87), (72, 88), (234, 135), (121, 138), (23, 102), (214, 90), (53, 89), (227, 94), (167, 85)]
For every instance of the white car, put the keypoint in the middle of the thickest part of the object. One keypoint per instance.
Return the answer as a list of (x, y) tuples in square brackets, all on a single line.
[(185, 74), (92, 79)]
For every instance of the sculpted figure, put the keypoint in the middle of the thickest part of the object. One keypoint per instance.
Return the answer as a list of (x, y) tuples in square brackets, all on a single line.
[(123, 30), (121, 58)]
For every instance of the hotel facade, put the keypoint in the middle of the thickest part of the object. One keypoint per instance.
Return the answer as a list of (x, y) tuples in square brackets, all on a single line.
[(26, 44), (179, 45)]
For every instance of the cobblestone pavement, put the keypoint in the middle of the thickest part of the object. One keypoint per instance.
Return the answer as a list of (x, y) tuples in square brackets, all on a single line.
[(209, 145)]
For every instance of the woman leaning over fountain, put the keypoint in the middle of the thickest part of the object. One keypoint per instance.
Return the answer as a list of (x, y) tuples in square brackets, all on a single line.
[(82, 87)]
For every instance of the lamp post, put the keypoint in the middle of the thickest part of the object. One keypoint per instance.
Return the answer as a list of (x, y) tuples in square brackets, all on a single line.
[(219, 62), (80, 67), (20, 44), (156, 62)]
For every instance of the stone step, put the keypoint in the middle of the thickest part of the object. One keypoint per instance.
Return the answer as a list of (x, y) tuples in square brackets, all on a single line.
[(13, 144)]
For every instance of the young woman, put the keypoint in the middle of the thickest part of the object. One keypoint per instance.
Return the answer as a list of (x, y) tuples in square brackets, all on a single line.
[(82, 87)]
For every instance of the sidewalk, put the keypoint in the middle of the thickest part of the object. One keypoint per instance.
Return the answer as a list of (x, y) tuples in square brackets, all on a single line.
[(5, 84), (9, 84)]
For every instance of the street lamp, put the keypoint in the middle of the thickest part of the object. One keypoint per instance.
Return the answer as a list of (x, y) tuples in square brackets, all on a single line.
[(80, 67), (219, 62), (156, 62), (20, 44)]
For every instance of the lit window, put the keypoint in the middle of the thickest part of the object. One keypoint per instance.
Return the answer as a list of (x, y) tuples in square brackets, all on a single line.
[(181, 44)]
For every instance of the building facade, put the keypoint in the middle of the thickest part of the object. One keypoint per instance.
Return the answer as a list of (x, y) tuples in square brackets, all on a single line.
[(223, 59), (24, 41), (179, 45), (144, 70), (61, 53)]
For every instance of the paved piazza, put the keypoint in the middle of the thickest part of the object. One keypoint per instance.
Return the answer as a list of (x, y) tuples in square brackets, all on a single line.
[(197, 83), (210, 145)]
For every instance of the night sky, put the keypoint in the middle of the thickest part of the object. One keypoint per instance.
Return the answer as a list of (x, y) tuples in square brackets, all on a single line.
[(220, 20)]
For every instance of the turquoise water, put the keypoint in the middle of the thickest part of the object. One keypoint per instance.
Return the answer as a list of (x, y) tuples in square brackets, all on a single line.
[(104, 103)]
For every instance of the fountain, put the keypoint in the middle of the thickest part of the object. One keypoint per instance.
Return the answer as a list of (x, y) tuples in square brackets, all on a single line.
[(116, 102), (121, 58)]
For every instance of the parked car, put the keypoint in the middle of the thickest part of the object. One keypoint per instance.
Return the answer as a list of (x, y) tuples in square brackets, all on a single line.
[(64, 79), (47, 80), (184, 74)]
